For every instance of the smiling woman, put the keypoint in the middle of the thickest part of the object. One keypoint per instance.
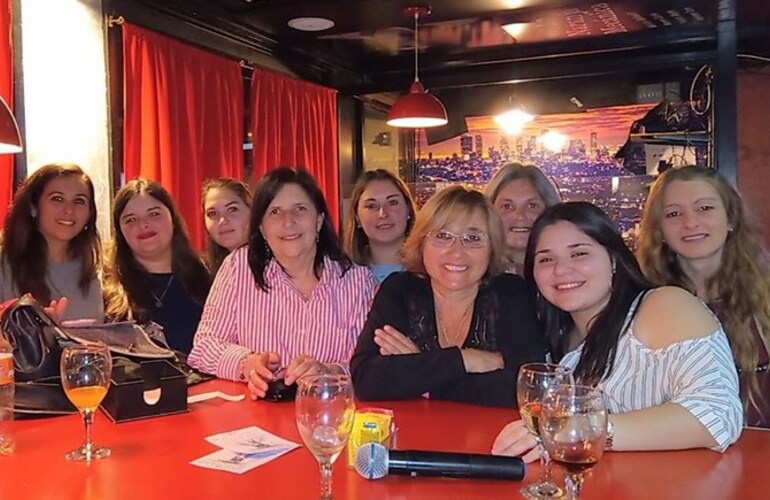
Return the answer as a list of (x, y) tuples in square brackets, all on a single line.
[(452, 326), (380, 216), (226, 205), (153, 273), (288, 302), (661, 359), (50, 245)]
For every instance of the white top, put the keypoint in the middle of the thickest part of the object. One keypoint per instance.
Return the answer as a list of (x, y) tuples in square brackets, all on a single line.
[(699, 374)]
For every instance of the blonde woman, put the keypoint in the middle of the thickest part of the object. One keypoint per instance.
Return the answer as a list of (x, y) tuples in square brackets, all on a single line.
[(454, 326), (520, 193), (696, 233)]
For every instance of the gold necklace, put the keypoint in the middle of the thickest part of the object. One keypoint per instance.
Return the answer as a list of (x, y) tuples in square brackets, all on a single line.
[(443, 330)]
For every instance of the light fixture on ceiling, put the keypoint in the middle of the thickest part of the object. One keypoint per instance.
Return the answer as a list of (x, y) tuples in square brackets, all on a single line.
[(310, 23), (417, 109), (514, 119), (10, 138)]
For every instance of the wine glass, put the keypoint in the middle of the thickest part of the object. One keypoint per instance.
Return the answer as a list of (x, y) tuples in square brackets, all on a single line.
[(324, 408), (573, 425), (85, 373), (531, 385)]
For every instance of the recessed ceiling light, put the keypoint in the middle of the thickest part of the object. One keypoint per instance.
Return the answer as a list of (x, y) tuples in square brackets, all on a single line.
[(310, 23)]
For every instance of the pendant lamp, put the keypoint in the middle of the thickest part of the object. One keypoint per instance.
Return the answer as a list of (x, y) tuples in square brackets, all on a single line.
[(417, 109), (10, 138)]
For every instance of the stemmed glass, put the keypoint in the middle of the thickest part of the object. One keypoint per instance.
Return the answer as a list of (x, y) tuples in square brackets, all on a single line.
[(531, 385), (573, 424), (324, 408), (85, 373)]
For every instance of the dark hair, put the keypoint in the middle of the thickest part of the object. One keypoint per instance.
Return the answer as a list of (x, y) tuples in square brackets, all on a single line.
[(328, 244), (604, 331), (216, 253), (24, 248), (355, 240), (128, 286)]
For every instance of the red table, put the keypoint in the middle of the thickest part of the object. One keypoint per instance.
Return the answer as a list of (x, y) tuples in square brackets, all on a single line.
[(151, 459)]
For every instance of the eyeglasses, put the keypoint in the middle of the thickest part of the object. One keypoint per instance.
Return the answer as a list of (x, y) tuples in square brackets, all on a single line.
[(470, 239)]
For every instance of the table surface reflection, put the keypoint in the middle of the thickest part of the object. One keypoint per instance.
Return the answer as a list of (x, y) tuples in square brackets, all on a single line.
[(151, 459)]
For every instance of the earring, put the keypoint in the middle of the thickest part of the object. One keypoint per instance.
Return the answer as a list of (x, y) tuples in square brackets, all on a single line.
[(730, 229), (267, 248), (85, 228), (317, 237), (613, 267), (33, 212)]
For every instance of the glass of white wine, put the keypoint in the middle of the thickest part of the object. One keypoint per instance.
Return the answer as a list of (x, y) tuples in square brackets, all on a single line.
[(324, 408), (531, 385), (85, 373), (573, 424)]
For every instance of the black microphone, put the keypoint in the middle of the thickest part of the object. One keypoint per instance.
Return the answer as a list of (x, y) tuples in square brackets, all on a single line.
[(374, 461)]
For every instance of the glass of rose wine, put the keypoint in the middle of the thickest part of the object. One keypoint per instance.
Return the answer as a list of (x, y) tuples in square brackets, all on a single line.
[(324, 408), (85, 373), (531, 385), (573, 425)]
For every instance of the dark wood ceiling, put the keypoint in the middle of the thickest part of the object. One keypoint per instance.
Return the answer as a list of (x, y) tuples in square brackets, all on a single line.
[(610, 45)]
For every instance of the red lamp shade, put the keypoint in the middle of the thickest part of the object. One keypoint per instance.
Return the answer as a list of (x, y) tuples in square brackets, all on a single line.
[(10, 138), (417, 110)]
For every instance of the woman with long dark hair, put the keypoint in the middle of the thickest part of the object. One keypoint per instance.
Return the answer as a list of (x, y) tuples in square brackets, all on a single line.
[(153, 272), (288, 302), (658, 354), (50, 244)]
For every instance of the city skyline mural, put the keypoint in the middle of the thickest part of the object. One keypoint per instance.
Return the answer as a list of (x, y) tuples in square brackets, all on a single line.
[(577, 151)]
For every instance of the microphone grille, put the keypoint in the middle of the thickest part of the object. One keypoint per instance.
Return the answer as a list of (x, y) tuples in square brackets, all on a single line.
[(372, 461)]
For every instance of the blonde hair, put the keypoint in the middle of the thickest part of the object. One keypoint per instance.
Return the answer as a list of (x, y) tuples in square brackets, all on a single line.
[(741, 286), (514, 171), (454, 203), (354, 239)]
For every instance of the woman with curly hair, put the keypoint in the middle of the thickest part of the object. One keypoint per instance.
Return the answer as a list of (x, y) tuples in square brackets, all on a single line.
[(696, 233)]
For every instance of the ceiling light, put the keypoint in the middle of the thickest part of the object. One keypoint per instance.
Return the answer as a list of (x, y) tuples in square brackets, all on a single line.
[(10, 138), (515, 29), (417, 109), (553, 141), (513, 121), (310, 23)]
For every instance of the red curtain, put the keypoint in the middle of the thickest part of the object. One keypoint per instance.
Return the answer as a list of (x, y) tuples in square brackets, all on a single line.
[(6, 91), (183, 112), (294, 124)]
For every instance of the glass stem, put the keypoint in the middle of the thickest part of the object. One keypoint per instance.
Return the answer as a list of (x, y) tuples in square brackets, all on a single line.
[(326, 480), (574, 484), (88, 419), (545, 463)]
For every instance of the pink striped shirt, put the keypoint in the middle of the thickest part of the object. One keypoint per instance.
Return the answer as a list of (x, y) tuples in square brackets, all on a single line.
[(240, 318)]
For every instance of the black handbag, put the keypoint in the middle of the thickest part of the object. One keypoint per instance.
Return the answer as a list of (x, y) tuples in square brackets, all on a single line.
[(36, 339)]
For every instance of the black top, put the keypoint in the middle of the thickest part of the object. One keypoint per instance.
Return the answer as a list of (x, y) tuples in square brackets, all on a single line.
[(503, 320), (175, 310)]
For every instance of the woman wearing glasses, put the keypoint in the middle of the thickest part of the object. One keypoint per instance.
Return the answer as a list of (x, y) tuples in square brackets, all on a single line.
[(452, 326)]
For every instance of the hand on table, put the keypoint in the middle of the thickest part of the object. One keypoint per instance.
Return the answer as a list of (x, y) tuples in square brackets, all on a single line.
[(515, 440), (259, 369), (391, 341)]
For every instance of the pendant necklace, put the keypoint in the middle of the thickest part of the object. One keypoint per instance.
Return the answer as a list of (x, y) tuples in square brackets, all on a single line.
[(159, 300)]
